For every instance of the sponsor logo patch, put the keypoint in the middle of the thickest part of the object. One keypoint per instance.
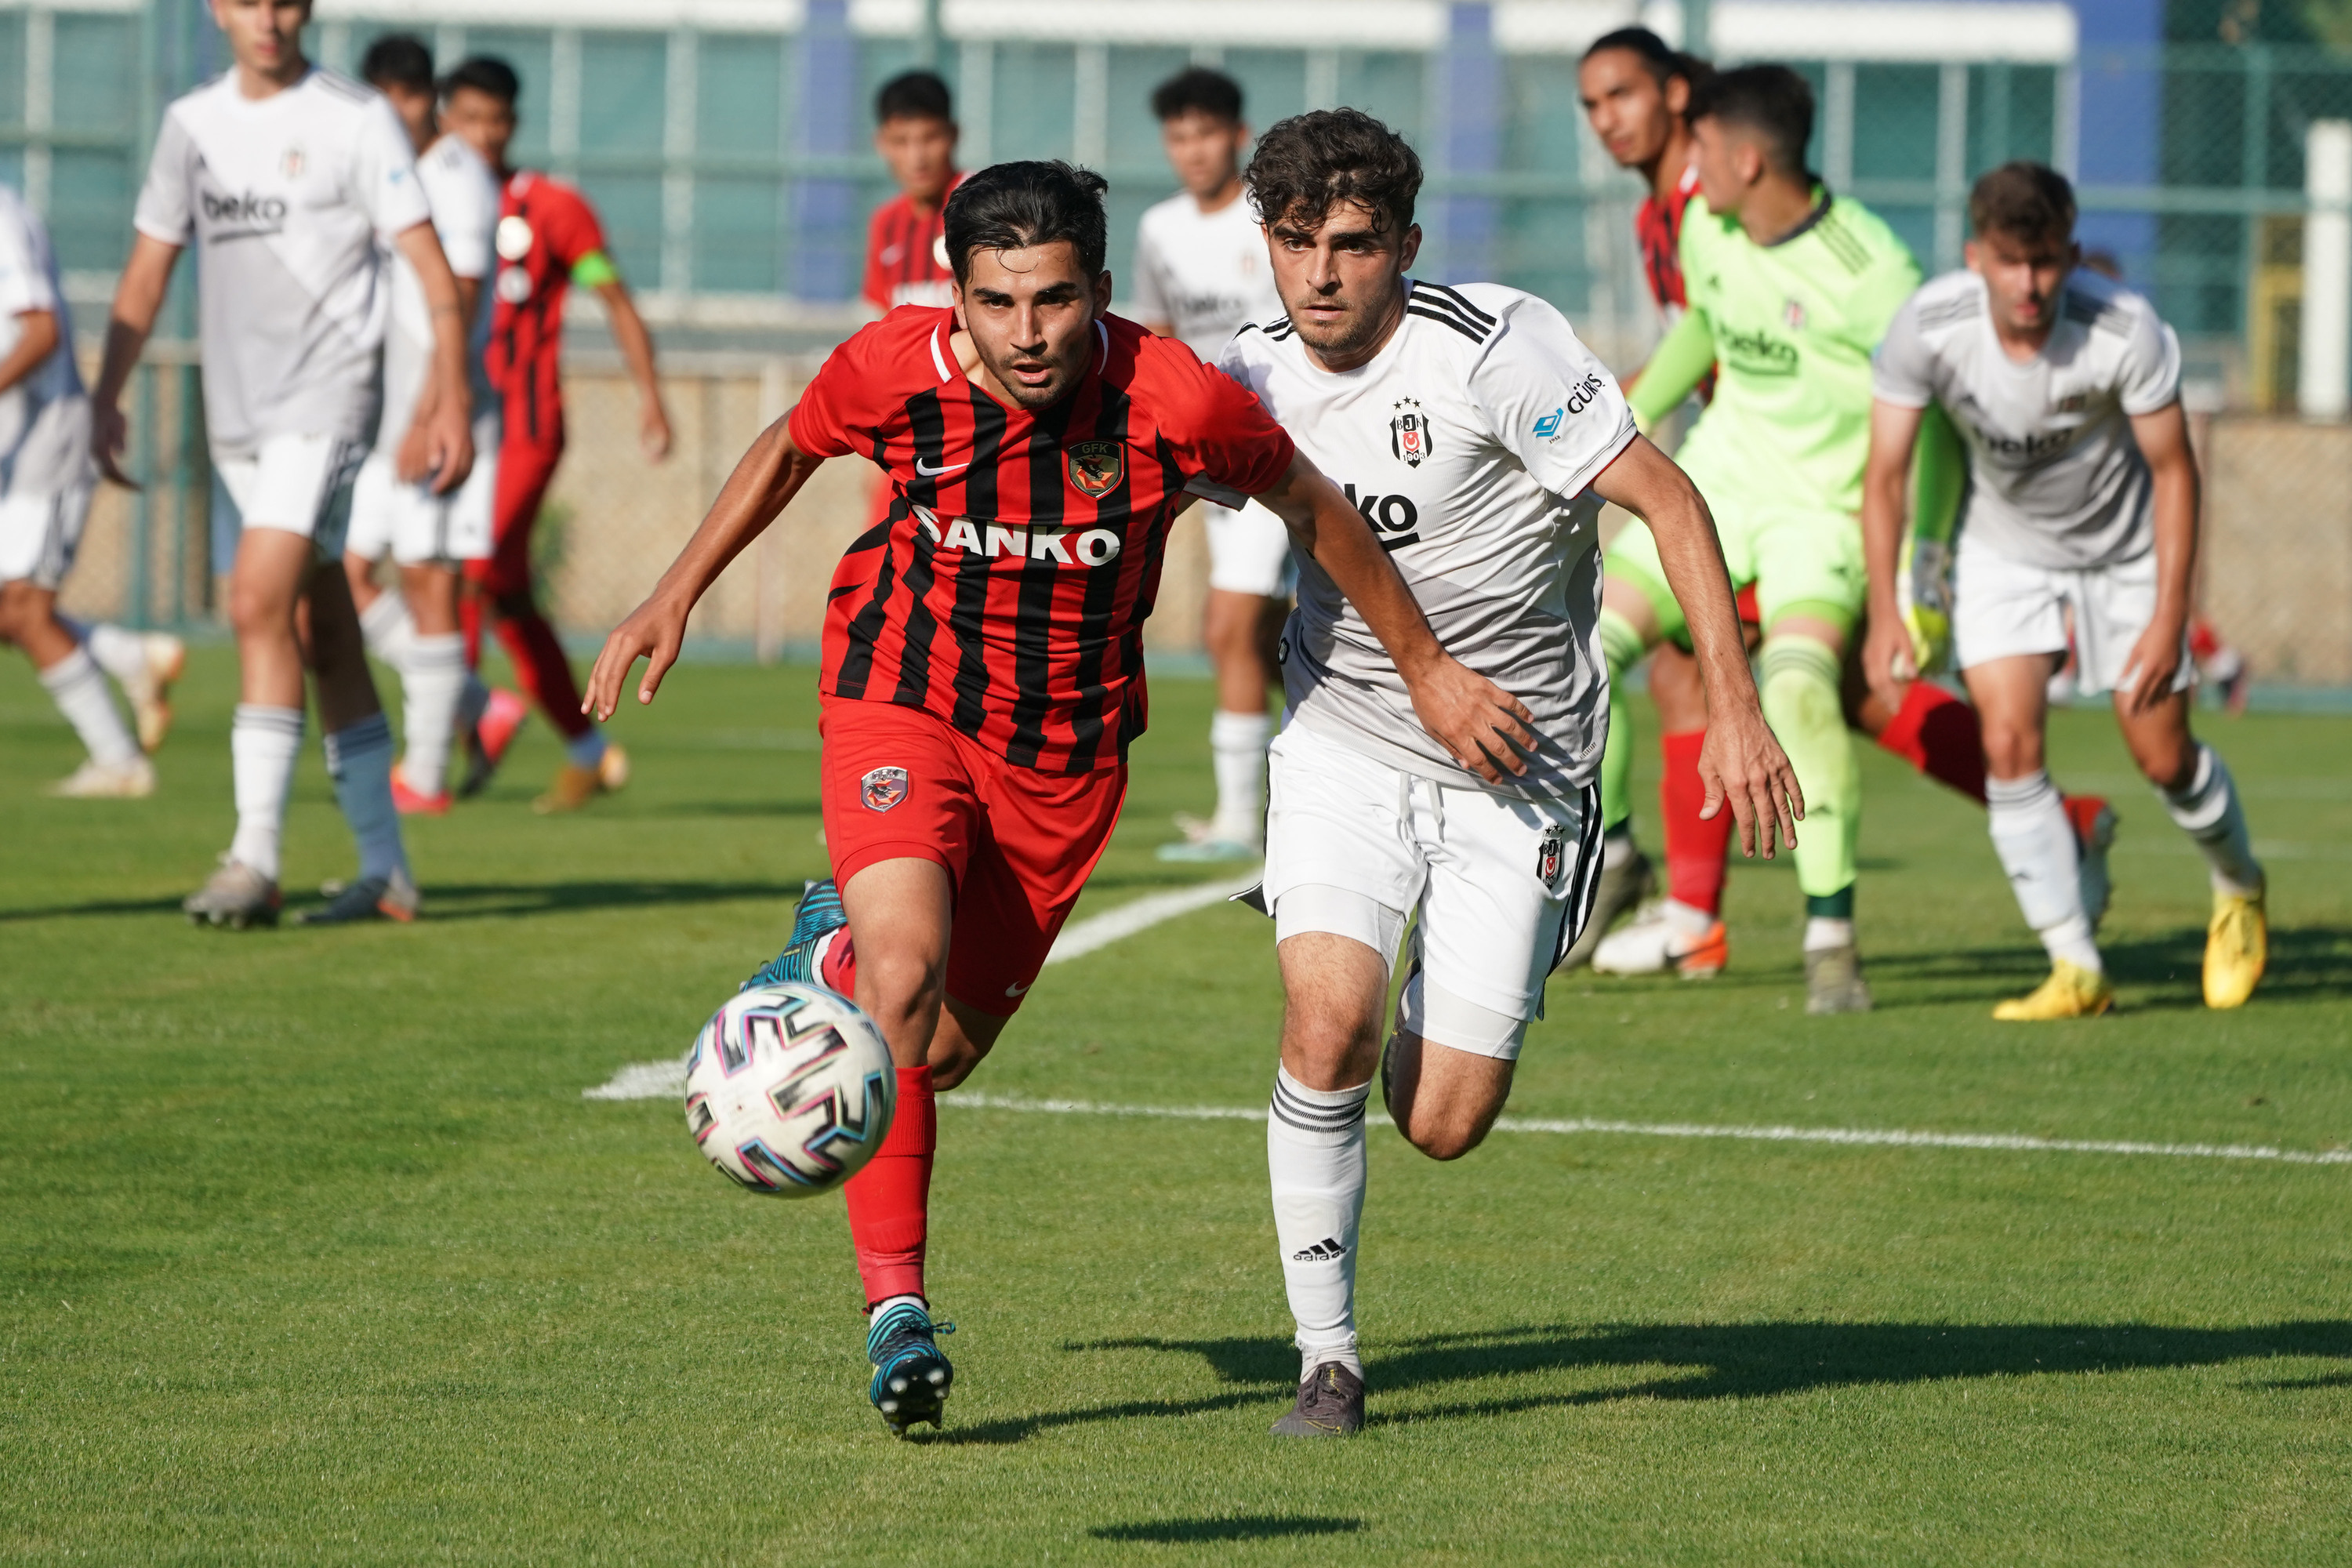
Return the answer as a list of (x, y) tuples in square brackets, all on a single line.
[(882, 788), (1095, 468), (1408, 440)]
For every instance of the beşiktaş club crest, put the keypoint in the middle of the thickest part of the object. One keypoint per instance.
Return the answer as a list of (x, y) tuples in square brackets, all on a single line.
[(1409, 433), (1548, 860), (1095, 468), (290, 164), (883, 788)]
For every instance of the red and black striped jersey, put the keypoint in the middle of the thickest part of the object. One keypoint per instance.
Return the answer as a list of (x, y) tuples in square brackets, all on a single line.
[(545, 230), (1658, 226), (906, 254), (1005, 591)]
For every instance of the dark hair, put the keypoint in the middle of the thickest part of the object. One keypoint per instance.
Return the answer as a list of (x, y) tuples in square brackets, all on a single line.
[(1663, 61), (398, 59), (485, 74), (1311, 163), (1199, 90), (1013, 206), (1771, 101), (913, 95), (2024, 200)]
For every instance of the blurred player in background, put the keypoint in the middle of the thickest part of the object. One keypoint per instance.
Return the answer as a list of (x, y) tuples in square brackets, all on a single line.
[(283, 175), (548, 239), (2084, 500), (906, 243), (1200, 273), (429, 536), (45, 480), (980, 692)]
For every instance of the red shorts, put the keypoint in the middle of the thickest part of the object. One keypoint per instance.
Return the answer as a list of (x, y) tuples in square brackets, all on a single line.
[(1745, 601), (902, 782), (526, 468)]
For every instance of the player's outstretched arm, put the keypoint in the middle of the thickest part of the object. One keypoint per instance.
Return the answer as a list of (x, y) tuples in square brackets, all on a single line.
[(2163, 439), (767, 478), (636, 346), (1887, 657), (1481, 726), (1741, 762), (440, 438), (138, 300)]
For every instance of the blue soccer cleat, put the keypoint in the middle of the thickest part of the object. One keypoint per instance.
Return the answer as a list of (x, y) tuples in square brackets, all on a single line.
[(818, 917), (911, 1378)]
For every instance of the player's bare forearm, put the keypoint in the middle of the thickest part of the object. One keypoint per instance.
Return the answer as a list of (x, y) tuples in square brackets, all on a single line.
[(2163, 439), (36, 339), (440, 438), (635, 343), (1886, 660), (769, 474), (138, 300)]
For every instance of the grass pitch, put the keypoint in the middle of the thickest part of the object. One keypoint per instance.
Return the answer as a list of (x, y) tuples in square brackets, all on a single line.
[(311, 1251)]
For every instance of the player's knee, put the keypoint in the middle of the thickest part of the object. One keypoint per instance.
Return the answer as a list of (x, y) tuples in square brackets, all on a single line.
[(1801, 686), (2169, 762), (1448, 1135), (18, 610), (906, 983), (2012, 751), (260, 610)]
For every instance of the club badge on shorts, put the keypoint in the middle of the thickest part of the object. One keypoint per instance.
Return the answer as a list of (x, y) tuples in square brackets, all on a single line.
[(1095, 468), (1549, 858), (883, 788)]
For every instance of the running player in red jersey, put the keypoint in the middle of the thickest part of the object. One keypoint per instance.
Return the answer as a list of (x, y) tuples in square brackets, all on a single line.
[(548, 239), (984, 652), (905, 243)]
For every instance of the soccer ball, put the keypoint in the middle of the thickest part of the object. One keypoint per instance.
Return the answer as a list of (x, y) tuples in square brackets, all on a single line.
[(789, 1089)]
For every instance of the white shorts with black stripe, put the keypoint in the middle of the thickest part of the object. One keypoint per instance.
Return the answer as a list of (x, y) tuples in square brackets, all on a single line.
[(297, 484), (1499, 887)]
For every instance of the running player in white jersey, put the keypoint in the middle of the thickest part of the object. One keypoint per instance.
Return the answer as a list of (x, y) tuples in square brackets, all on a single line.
[(1201, 273), (46, 479), (428, 534), (2065, 387), (282, 175), (1479, 438)]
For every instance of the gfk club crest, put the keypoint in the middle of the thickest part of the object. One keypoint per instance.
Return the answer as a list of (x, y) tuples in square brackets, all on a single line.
[(1548, 860), (1408, 434), (883, 788), (1095, 468)]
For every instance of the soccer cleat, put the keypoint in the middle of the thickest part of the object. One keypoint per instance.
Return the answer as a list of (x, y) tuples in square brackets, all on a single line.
[(1624, 887), (820, 914), (149, 688), (412, 802), (235, 896), (2095, 834), (2071, 992), (911, 1377), (1834, 982), (2237, 948), (94, 780), (1652, 944), (487, 741), (1330, 1405), (393, 898), (576, 786)]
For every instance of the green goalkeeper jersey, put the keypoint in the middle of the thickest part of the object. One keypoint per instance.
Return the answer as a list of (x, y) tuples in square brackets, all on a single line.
[(1794, 325)]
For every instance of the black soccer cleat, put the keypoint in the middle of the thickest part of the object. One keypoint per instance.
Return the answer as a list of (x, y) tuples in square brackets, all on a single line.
[(1330, 1405), (911, 1378)]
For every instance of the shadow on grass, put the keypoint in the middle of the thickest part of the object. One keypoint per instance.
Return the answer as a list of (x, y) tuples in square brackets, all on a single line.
[(99, 907), (491, 901), (1244, 1527), (1698, 1361), (2164, 970)]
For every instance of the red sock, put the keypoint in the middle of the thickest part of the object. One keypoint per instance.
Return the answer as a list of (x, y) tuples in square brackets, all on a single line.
[(1938, 734), (1695, 848), (543, 670), (469, 622), (889, 1200), (838, 967)]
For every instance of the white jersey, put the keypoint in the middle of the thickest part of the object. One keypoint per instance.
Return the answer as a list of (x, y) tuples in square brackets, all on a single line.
[(464, 197), (283, 197), (1469, 444), (2056, 476), (45, 417), (1205, 273)]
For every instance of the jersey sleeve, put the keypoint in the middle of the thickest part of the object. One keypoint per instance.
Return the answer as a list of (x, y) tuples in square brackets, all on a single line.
[(573, 235), (2150, 371), (1903, 369), (466, 216), (1150, 280), (164, 211), (1226, 444), (384, 172), (836, 415), (1876, 296), (24, 281), (1676, 368), (1549, 401)]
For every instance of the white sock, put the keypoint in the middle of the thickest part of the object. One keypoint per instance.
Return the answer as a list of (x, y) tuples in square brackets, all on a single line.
[(389, 630), (1617, 846), (1237, 745), (2037, 847), (879, 1308), (358, 759), (2209, 812), (120, 653), (1315, 1156), (78, 689), (262, 743), (1689, 919), (587, 749), (1825, 930), (431, 683)]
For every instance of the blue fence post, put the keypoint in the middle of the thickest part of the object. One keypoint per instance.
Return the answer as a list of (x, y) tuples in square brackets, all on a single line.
[(824, 207), (2120, 113), (1472, 104)]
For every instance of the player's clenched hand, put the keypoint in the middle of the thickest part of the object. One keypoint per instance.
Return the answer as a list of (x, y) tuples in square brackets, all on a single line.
[(439, 445), (1742, 765), (110, 437), (2155, 666), (1887, 658), (653, 632), (1481, 726)]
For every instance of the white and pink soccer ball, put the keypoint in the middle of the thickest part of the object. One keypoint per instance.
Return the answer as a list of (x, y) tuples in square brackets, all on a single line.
[(790, 1089)]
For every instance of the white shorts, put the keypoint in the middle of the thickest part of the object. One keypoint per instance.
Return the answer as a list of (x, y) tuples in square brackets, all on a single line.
[(295, 484), (417, 527), (39, 533), (1249, 551), (2003, 608), (1500, 887)]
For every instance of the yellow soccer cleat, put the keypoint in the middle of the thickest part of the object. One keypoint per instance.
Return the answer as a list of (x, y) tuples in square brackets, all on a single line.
[(576, 786), (2237, 947), (2071, 992)]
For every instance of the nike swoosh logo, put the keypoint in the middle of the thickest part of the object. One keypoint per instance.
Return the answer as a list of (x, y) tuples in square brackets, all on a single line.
[(1015, 990), (927, 472)]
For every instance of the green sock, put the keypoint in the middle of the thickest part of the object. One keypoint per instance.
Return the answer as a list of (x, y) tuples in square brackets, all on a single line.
[(1621, 644), (1801, 703)]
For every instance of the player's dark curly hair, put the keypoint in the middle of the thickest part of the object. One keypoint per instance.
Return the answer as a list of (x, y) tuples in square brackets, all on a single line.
[(398, 59), (1772, 102), (2024, 200), (1660, 59), (1309, 163), (1013, 206), (485, 74), (1199, 90)]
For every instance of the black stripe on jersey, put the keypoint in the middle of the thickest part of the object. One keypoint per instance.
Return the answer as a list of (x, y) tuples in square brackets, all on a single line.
[(341, 86), (1115, 508), (927, 423), (865, 627), (1280, 329), (1840, 244), (1033, 607), (1434, 302), (1966, 308), (980, 501), (2100, 318), (1473, 333), (1460, 300)]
